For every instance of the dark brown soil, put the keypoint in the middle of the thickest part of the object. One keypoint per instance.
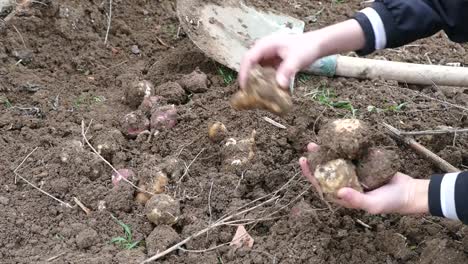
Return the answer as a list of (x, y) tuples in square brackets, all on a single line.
[(56, 72)]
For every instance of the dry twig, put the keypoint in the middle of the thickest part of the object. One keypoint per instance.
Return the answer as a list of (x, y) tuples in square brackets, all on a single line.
[(163, 43), (82, 206), (34, 186), (434, 132), (441, 163), (21, 36), (108, 163), (225, 220), (109, 21), (190, 164), (274, 123)]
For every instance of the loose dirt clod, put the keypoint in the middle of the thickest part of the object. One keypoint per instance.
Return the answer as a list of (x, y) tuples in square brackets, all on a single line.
[(107, 143), (377, 167), (172, 92), (163, 117), (162, 237), (348, 138), (137, 91), (195, 82), (337, 174), (238, 153), (134, 123), (161, 209), (217, 132), (262, 92)]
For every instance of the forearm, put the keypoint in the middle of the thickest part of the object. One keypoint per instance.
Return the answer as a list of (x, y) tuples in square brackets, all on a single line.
[(338, 38), (419, 197)]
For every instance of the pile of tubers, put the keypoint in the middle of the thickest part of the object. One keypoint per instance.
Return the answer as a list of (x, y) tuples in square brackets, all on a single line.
[(152, 113), (346, 158)]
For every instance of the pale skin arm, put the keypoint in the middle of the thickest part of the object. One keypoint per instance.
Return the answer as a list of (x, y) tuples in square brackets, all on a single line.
[(291, 53)]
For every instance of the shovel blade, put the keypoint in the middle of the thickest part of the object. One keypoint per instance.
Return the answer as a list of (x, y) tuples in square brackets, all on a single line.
[(225, 31)]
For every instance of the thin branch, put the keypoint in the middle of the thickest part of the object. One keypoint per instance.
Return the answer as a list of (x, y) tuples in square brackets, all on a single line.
[(24, 160), (82, 206), (420, 149), (209, 206), (109, 21), (21, 36), (222, 221), (190, 164), (42, 191), (274, 123), (108, 164), (433, 132), (444, 102)]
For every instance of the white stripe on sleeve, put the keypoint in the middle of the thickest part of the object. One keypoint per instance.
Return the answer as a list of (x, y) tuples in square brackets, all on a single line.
[(377, 26), (447, 196)]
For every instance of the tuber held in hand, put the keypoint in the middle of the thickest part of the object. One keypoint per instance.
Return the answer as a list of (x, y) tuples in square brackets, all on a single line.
[(349, 138), (262, 92), (377, 167), (337, 174), (345, 159)]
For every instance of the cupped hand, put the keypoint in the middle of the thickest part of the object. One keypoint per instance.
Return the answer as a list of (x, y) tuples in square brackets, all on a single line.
[(403, 194)]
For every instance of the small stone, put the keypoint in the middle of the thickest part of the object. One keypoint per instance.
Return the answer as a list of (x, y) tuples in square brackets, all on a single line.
[(86, 238), (4, 200), (135, 49)]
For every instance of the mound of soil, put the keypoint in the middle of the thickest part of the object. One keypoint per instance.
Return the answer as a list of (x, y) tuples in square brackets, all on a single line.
[(57, 71)]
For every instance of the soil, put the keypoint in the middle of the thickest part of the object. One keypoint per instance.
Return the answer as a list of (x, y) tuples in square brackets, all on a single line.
[(56, 72)]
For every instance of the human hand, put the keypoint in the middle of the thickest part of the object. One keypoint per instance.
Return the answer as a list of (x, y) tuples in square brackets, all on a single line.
[(288, 54), (403, 194)]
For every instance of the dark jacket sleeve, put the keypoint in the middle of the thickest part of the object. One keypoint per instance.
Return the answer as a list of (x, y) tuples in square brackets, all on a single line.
[(394, 23), (448, 196)]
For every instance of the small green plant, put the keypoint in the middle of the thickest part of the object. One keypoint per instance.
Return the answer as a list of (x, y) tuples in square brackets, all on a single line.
[(88, 99), (125, 242), (392, 108), (228, 75), (4, 100), (325, 97), (303, 78)]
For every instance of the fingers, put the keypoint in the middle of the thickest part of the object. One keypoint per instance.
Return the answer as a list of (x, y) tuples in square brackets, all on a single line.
[(308, 174), (351, 198), (264, 49), (312, 147), (287, 70)]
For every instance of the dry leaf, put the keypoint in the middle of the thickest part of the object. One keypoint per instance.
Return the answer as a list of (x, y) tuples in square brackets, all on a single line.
[(242, 238)]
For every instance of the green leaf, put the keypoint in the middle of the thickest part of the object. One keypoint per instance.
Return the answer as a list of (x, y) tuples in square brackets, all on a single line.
[(133, 245), (118, 240)]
